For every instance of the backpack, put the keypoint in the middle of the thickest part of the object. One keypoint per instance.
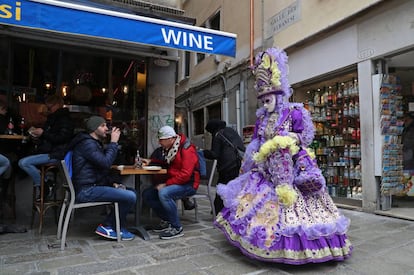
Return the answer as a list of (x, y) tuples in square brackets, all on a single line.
[(201, 159), (68, 161)]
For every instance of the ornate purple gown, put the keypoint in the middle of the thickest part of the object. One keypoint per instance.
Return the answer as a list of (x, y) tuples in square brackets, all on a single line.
[(308, 230)]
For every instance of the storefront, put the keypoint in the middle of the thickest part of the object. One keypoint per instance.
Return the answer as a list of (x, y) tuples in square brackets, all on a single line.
[(350, 135), (334, 106), (100, 59)]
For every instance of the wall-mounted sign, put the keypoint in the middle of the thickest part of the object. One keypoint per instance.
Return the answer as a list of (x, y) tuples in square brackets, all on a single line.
[(284, 18), (65, 17)]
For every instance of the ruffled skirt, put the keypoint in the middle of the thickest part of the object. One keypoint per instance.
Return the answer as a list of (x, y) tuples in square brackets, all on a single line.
[(310, 231)]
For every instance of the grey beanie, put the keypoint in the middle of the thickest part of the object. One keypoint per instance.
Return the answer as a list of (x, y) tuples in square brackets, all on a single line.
[(93, 123)]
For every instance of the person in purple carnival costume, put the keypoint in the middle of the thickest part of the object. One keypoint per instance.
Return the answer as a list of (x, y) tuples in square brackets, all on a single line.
[(277, 209)]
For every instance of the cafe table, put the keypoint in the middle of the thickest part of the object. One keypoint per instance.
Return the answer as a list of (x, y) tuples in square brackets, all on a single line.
[(125, 170), (15, 137)]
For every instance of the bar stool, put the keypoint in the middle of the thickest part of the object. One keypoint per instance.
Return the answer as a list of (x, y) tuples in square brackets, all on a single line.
[(42, 205)]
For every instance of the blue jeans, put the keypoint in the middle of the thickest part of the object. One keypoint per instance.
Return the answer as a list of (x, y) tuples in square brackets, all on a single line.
[(164, 201), (126, 200), (5, 167), (29, 165)]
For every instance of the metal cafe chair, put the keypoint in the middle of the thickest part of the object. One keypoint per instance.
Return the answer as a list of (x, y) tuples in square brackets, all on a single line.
[(211, 169), (69, 205)]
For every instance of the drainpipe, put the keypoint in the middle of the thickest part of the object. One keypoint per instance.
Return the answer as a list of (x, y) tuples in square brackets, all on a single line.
[(242, 102), (251, 32), (225, 101), (238, 110)]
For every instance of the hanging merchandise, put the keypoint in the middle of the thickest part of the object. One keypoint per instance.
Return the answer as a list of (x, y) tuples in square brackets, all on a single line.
[(392, 125)]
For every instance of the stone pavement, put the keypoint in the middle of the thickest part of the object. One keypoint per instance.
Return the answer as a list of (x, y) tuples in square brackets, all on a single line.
[(382, 245)]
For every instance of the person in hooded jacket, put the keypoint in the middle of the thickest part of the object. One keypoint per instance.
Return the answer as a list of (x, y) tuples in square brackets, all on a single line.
[(92, 177), (51, 139), (228, 164)]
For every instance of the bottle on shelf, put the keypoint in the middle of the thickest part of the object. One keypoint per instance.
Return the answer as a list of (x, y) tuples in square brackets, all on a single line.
[(317, 99), (356, 108), (351, 108), (324, 98), (355, 90), (346, 110), (339, 95), (138, 160), (329, 97), (22, 126), (10, 127)]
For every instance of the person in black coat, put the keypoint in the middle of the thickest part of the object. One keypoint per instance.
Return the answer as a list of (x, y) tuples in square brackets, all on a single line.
[(228, 163), (51, 140)]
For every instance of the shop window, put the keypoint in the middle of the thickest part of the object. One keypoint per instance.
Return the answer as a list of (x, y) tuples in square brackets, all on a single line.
[(84, 79), (4, 66), (212, 23), (187, 61), (34, 71), (214, 111), (198, 122)]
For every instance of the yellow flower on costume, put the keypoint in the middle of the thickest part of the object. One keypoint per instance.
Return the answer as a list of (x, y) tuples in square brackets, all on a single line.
[(310, 153), (271, 64), (286, 194), (275, 74), (278, 142), (266, 61)]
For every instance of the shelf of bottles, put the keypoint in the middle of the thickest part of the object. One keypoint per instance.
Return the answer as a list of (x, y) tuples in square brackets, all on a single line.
[(335, 113)]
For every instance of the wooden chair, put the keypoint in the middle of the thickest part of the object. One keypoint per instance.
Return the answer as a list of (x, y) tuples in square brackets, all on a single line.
[(70, 204)]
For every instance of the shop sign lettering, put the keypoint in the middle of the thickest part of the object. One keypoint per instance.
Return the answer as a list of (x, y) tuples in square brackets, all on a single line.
[(187, 39), (9, 11)]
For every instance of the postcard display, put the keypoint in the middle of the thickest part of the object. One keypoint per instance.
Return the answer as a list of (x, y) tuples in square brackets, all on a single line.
[(392, 126), (335, 112)]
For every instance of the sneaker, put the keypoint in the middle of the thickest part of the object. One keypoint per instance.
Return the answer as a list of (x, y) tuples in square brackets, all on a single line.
[(172, 233), (188, 204), (126, 235), (106, 232), (164, 225)]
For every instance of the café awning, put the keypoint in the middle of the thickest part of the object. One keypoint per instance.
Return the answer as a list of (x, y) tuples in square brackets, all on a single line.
[(75, 19)]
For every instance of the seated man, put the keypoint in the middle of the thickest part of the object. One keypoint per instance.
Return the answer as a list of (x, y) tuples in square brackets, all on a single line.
[(5, 167), (5, 170), (92, 178), (182, 181), (51, 139)]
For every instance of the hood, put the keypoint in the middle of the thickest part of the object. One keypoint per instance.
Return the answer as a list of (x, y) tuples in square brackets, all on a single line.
[(77, 139), (213, 125)]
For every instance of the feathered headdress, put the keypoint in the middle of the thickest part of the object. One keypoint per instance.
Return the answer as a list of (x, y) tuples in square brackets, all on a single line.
[(271, 72)]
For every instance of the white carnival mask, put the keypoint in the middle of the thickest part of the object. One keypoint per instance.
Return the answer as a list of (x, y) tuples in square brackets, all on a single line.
[(269, 102)]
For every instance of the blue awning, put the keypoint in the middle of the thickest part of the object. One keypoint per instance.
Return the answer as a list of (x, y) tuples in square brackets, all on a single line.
[(70, 18)]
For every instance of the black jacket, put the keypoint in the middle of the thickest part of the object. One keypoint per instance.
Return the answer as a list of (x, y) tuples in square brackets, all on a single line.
[(57, 132), (220, 148), (91, 161)]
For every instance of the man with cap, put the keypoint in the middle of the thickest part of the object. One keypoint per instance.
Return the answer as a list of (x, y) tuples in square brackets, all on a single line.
[(92, 177), (183, 179), (51, 139)]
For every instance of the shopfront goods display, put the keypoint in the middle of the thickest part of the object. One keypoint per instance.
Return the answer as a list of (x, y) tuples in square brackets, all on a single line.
[(392, 125), (335, 112)]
